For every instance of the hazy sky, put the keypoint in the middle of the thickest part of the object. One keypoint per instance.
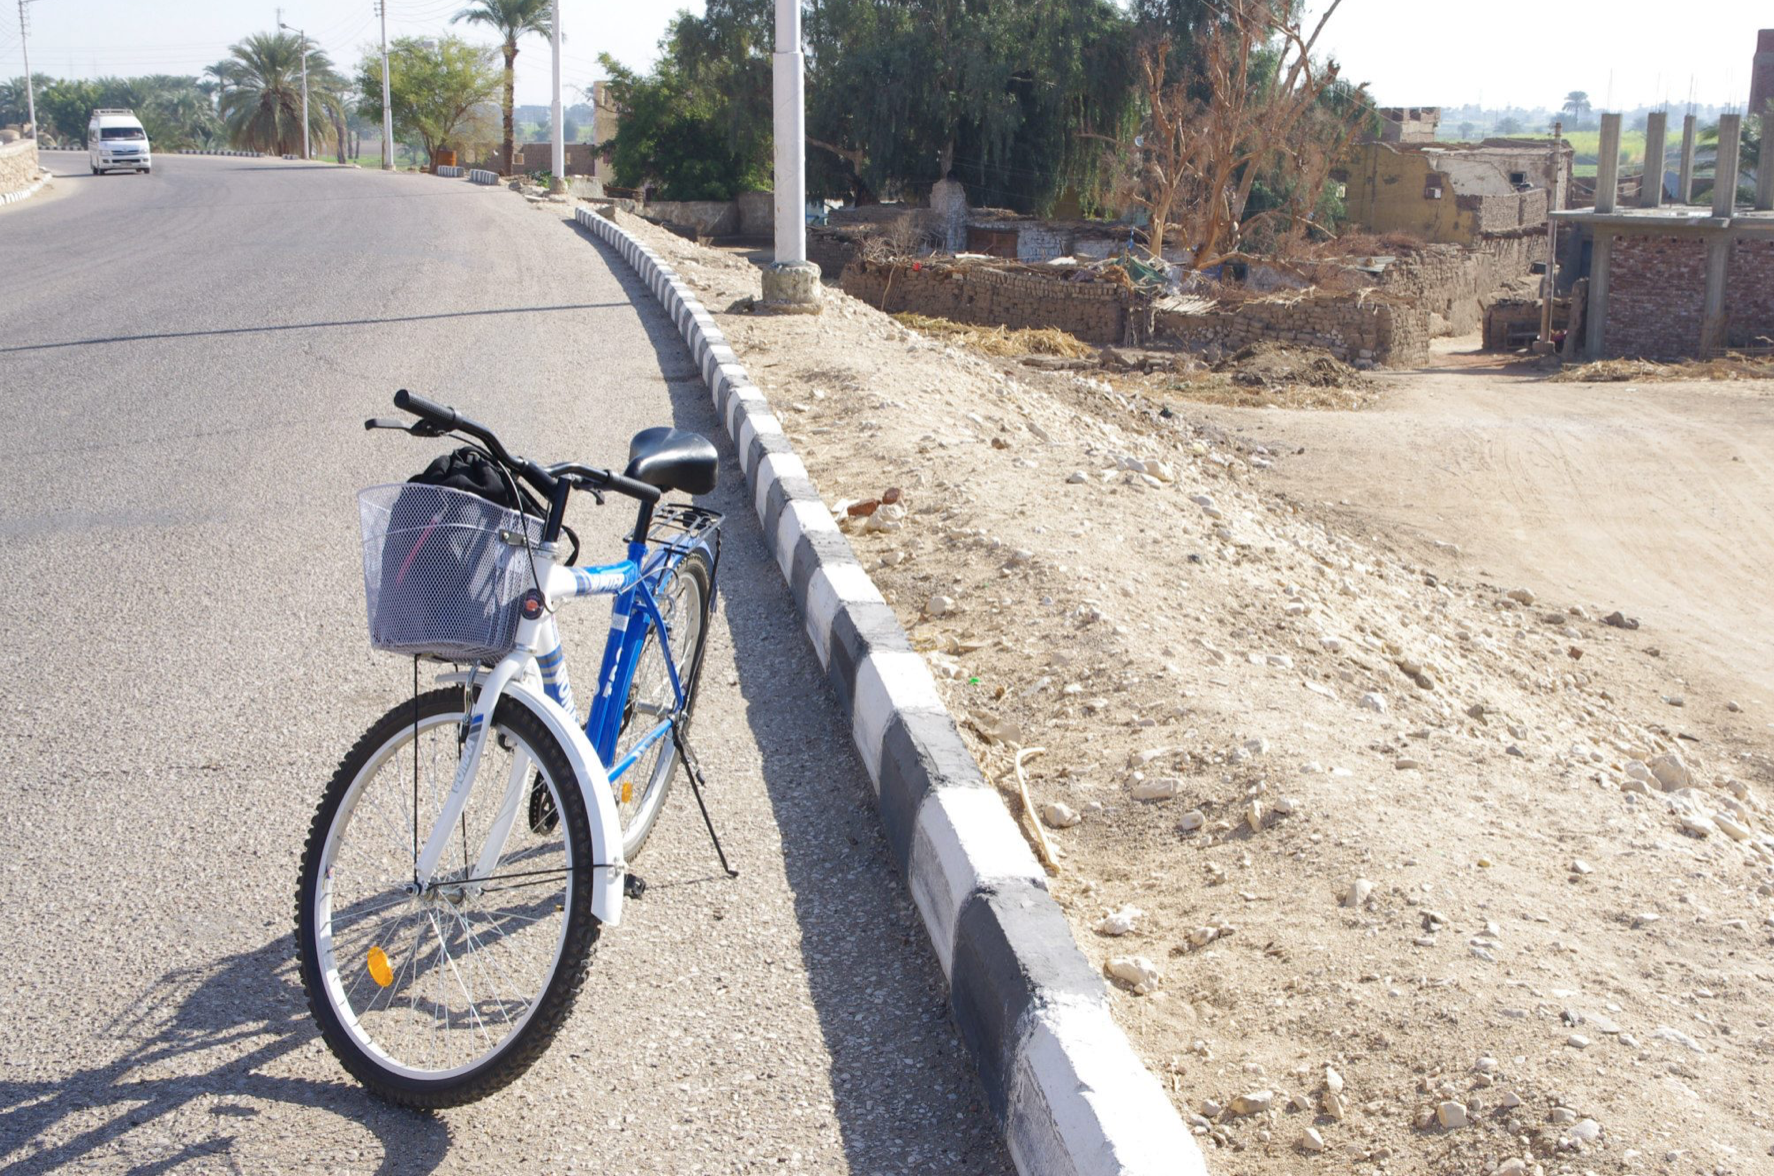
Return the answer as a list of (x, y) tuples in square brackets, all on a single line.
[(1412, 52)]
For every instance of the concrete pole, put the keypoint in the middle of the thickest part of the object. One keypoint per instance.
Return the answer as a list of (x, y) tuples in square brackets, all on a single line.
[(1607, 165), (1548, 287), (792, 283), (788, 76), (1712, 306), (304, 37), (30, 86), (1765, 166), (1596, 309), (1685, 185), (387, 100), (1651, 194), (1724, 173), (559, 134)]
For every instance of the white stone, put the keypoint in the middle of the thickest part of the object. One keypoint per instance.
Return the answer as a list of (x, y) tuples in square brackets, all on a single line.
[(1252, 1102), (1157, 788), (1373, 701), (1671, 772), (1191, 820), (1119, 922), (1333, 1081), (1358, 893), (1059, 815), (1311, 1140), (940, 606), (1137, 971), (1451, 1115), (1521, 595), (1586, 1130)]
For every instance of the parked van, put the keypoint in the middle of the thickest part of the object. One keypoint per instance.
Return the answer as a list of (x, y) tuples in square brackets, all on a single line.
[(115, 140)]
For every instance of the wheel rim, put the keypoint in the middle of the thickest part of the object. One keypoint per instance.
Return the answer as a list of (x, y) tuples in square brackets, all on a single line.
[(463, 967), (650, 701)]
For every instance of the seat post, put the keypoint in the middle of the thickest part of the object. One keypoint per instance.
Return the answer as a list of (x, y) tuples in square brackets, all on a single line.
[(643, 521)]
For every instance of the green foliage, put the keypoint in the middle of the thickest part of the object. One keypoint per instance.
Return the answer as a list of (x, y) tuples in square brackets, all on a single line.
[(512, 20), (437, 88), (698, 126), (175, 111), (259, 94)]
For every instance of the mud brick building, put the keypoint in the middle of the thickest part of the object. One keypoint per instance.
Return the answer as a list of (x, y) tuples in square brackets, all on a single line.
[(1458, 193), (1678, 280)]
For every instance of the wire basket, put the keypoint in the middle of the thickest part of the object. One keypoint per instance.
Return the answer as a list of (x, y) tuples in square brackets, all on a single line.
[(443, 571)]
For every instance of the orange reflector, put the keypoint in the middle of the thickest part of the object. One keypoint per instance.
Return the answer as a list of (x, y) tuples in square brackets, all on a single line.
[(627, 791), (380, 971)]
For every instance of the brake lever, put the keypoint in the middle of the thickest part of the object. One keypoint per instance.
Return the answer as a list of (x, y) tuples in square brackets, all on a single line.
[(581, 484), (418, 428)]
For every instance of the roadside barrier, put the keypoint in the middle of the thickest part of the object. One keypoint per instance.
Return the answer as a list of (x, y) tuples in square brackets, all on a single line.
[(451, 173), (482, 176), (239, 154), (24, 193), (1070, 1093)]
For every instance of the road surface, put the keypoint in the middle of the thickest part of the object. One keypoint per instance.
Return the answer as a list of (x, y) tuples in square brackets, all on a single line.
[(186, 359)]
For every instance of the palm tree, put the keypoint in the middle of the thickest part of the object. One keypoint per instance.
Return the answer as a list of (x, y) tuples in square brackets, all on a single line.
[(511, 19), (260, 98), (1576, 105)]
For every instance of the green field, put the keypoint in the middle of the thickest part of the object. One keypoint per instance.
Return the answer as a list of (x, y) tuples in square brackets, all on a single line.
[(1587, 145)]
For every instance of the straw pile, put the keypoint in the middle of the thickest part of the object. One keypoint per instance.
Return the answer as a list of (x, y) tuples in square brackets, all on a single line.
[(1001, 341), (1730, 366)]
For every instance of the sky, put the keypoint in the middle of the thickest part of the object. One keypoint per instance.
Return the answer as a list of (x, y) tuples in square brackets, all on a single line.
[(1636, 55)]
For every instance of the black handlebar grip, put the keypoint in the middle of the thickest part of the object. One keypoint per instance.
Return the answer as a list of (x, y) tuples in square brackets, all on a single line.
[(630, 488), (419, 406)]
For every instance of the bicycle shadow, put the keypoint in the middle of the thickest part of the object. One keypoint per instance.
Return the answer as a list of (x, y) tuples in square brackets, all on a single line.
[(903, 1086), (247, 1009)]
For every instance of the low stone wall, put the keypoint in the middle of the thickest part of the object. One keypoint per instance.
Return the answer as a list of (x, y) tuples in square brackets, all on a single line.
[(1454, 282), (18, 166), (1096, 312), (710, 218), (1749, 293), (1363, 327), (757, 214)]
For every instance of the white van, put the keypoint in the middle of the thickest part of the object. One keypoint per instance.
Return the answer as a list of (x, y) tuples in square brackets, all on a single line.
[(115, 140)]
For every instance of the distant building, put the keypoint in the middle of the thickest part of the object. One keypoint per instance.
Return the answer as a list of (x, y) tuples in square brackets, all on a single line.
[(1761, 73), (1409, 124), (605, 117), (1453, 194)]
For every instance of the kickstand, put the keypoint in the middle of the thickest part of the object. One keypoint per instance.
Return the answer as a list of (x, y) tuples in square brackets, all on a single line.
[(693, 769)]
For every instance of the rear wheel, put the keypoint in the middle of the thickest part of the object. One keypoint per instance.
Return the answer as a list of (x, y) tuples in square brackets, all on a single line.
[(438, 996), (683, 604)]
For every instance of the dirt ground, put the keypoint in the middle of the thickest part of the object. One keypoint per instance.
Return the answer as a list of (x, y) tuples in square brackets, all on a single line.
[(1400, 857)]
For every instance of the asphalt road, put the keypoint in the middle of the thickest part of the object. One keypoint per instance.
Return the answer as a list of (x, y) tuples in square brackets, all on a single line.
[(185, 360)]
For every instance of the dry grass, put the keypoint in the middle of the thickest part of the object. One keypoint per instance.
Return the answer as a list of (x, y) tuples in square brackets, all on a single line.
[(1730, 366), (1001, 341)]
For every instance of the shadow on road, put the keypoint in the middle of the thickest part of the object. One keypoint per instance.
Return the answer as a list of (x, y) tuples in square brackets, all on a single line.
[(314, 326), (248, 1011), (905, 1092)]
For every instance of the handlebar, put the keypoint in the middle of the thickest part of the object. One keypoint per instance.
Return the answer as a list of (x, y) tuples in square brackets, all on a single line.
[(543, 478)]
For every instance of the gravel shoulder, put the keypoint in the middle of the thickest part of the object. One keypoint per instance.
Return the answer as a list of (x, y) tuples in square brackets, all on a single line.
[(1402, 857)]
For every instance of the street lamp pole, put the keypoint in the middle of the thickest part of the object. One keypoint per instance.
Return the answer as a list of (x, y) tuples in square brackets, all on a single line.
[(304, 37), (558, 157), (24, 41), (387, 102), (792, 283)]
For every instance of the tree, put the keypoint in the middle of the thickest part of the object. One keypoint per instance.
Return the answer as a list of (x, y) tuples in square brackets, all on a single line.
[(511, 19), (1252, 115), (1508, 125), (260, 97), (1576, 105), (439, 90), (672, 137)]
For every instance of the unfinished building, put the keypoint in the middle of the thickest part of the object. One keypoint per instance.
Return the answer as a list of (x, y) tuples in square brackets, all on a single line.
[(1672, 281), (1454, 194)]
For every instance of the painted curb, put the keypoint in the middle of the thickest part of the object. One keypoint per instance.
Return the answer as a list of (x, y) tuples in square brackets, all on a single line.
[(451, 173), (24, 193), (482, 176), (238, 154), (1071, 1095)]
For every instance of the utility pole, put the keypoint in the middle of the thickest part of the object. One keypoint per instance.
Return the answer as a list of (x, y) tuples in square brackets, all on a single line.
[(304, 37), (30, 86), (792, 283), (387, 102), (1548, 286), (558, 157)]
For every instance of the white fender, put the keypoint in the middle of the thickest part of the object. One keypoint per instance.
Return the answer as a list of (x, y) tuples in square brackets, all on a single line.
[(594, 787)]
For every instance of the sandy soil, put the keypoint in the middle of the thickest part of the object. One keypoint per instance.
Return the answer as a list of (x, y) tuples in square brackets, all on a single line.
[(1404, 860)]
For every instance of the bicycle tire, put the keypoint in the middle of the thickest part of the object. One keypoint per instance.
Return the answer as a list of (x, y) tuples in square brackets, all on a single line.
[(319, 938), (695, 576)]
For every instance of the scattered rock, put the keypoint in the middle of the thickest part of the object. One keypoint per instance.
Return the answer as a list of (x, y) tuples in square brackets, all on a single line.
[(1671, 772), (1158, 788), (1138, 972), (1620, 620), (1521, 595), (1191, 820), (1452, 1115), (940, 606), (1253, 1103), (1374, 702), (1059, 815), (1119, 922), (1579, 866), (1358, 893), (1311, 1140)]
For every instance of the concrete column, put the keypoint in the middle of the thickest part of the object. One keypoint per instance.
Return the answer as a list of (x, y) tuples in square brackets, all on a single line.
[(792, 283), (1651, 191), (1718, 265), (1724, 173), (1765, 166), (1607, 165), (1685, 185), (1601, 257)]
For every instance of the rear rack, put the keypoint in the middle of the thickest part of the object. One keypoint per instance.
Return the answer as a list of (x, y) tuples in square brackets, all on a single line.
[(681, 525)]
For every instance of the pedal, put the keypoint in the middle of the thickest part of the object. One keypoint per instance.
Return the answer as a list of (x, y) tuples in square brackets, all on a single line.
[(634, 886)]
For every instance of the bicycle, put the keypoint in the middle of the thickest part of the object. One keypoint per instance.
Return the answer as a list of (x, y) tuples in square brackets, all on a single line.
[(444, 930)]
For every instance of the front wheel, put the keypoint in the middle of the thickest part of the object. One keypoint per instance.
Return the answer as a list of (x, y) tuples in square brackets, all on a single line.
[(440, 995)]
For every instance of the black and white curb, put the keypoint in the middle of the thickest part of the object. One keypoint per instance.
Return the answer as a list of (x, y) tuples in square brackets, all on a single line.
[(451, 173), (24, 193), (1072, 1096), (479, 175), (239, 154)]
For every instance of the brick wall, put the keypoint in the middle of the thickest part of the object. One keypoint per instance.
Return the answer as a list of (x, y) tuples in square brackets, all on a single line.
[(1095, 312), (1360, 325), (1454, 282), (18, 165), (1656, 290), (1749, 293)]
